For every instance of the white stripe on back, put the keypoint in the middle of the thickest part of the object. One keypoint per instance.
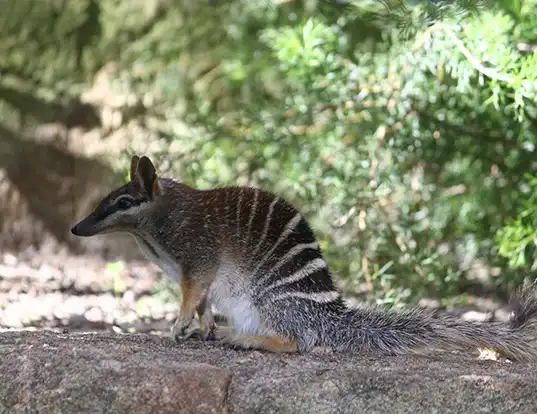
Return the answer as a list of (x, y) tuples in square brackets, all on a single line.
[(252, 214), (265, 229), (285, 258), (320, 297), (238, 216), (286, 231), (305, 271)]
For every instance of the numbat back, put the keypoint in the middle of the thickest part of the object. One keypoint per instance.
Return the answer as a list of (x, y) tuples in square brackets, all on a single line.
[(254, 256)]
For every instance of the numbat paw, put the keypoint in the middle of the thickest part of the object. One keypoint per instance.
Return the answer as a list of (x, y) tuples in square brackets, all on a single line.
[(205, 333), (184, 329), (208, 334), (207, 328)]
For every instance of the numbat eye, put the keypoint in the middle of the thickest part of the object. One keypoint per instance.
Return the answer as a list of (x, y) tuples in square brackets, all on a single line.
[(124, 203)]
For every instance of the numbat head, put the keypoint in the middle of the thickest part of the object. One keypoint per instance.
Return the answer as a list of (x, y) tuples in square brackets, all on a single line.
[(253, 256), (122, 208)]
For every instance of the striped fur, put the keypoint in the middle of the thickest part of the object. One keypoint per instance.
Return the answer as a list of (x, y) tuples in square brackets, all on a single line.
[(254, 256)]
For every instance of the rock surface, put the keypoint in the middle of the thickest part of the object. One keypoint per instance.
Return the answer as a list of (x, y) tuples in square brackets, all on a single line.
[(51, 372)]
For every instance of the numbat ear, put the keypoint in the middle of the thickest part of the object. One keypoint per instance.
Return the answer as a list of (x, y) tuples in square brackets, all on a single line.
[(134, 166), (146, 176)]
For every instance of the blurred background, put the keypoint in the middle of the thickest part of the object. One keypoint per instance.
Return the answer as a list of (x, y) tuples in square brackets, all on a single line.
[(404, 131)]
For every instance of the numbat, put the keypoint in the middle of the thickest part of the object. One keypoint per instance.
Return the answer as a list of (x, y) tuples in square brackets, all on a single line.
[(254, 256)]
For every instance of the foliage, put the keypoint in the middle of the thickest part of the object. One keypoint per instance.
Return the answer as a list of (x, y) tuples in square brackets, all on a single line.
[(404, 131), (518, 238), (407, 153)]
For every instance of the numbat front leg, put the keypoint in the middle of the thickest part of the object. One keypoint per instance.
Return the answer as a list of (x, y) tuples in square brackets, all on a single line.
[(192, 300)]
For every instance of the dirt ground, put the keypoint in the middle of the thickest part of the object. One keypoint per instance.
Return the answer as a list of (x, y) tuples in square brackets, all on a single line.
[(84, 293)]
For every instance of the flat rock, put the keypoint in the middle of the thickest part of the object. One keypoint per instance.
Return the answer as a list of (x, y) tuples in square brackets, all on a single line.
[(52, 372)]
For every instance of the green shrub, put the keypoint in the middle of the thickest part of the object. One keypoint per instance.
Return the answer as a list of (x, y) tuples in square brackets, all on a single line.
[(404, 132)]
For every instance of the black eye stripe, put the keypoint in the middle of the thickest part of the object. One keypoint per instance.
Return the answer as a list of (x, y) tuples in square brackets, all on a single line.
[(113, 206), (126, 202)]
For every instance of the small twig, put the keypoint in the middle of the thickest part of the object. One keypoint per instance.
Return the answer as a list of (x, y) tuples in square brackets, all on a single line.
[(490, 73), (477, 65)]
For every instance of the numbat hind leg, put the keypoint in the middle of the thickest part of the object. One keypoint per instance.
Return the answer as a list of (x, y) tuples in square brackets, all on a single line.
[(261, 343)]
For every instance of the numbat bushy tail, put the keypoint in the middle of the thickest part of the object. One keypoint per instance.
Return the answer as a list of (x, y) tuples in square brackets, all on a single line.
[(254, 256)]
